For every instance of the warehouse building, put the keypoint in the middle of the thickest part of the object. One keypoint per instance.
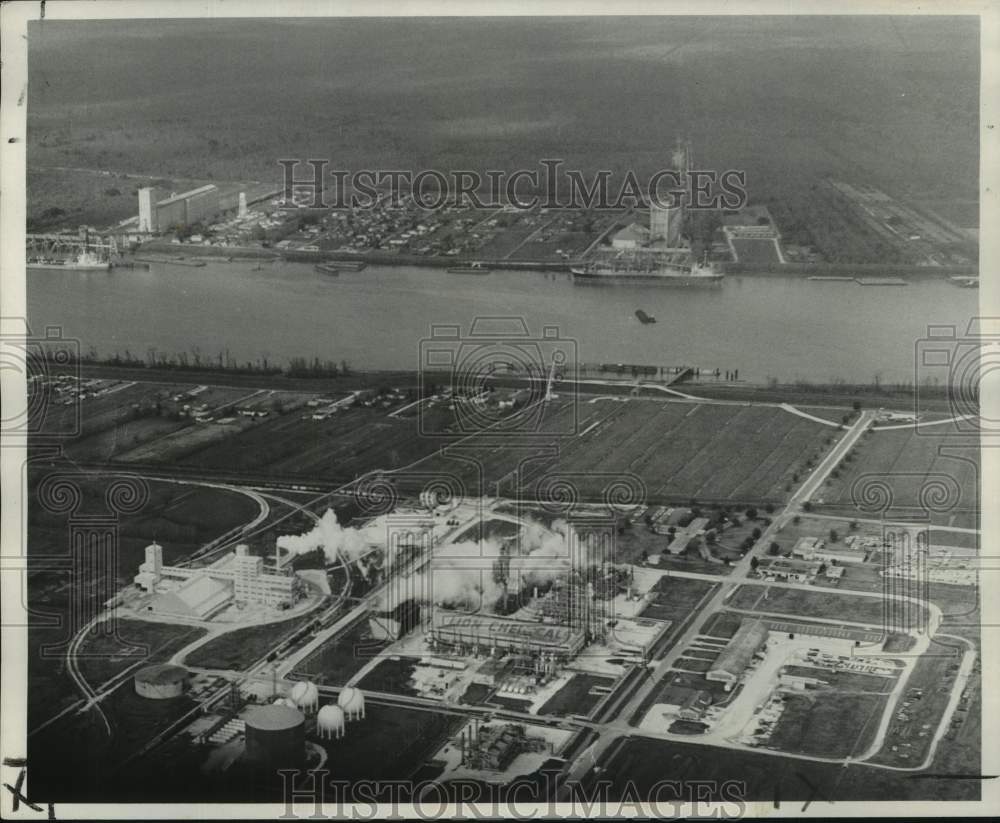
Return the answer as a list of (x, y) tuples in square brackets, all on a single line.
[(161, 214), (730, 665)]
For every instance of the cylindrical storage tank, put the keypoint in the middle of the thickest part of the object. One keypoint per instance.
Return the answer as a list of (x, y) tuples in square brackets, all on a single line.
[(330, 722), (352, 701), (161, 681), (275, 737)]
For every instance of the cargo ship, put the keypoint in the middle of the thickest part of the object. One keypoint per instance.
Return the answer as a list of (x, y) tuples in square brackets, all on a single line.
[(668, 272), (85, 261), (472, 268)]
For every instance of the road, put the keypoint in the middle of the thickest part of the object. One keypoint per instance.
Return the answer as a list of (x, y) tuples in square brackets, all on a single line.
[(737, 576)]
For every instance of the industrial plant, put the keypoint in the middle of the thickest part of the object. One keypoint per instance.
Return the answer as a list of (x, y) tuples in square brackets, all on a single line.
[(199, 593)]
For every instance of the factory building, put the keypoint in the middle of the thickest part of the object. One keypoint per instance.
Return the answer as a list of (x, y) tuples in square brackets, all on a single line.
[(730, 665), (576, 605), (489, 747), (238, 576), (462, 631)]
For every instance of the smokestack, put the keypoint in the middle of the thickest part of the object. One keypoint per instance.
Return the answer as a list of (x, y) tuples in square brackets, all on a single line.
[(243, 204)]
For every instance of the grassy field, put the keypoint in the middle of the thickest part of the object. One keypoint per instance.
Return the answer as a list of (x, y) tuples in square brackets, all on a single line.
[(340, 447), (494, 104), (911, 734), (101, 658), (575, 696), (756, 251), (676, 450), (668, 451), (914, 467), (336, 661), (390, 743), (74, 759), (391, 675), (828, 725), (239, 649), (768, 778), (818, 604), (676, 597)]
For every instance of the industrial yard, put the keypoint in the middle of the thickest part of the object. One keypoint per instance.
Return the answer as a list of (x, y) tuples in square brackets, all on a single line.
[(709, 605)]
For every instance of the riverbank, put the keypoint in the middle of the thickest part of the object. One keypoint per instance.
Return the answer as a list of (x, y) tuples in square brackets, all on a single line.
[(834, 396), (190, 251)]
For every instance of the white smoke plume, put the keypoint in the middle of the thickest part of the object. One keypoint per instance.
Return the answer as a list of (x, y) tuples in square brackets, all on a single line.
[(460, 573), (335, 540)]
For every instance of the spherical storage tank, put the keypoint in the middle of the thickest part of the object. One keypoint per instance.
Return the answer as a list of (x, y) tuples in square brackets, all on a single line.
[(161, 681), (330, 722), (275, 736), (352, 701), (305, 695)]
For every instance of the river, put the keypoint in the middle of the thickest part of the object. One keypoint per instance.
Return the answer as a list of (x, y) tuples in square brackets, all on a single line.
[(788, 328)]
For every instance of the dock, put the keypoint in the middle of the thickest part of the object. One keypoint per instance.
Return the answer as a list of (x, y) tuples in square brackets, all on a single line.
[(173, 261), (880, 281)]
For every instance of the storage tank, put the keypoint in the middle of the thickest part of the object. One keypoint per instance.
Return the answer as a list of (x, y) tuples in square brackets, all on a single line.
[(330, 722), (352, 701), (161, 681), (275, 737), (306, 696)]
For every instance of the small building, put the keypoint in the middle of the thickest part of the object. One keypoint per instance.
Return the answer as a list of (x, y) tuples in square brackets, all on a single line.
[(695, 706), (798, 571), (799, 682), (806, 547), (631, 237)]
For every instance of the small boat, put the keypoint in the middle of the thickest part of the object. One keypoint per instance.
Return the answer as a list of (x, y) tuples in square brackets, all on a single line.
[(643, 317), (965, 282), (472, 268), (327, 268)]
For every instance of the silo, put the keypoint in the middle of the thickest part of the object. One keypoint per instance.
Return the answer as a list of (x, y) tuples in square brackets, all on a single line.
[(275, 737)]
